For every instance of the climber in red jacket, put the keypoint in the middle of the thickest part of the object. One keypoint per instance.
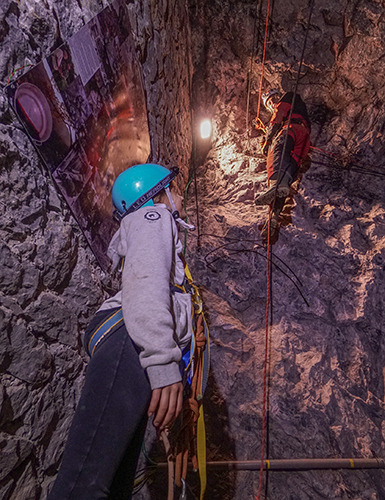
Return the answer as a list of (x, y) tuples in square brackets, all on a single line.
[(286, 144)]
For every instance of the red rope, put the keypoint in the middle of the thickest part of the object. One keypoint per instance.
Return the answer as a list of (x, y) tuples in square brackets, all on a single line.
[(263, 439), (268, 286), (323, 151), (268, 256), (263, 59)]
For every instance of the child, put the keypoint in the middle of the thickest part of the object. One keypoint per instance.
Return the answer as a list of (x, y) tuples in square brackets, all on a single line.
[(135, 342)]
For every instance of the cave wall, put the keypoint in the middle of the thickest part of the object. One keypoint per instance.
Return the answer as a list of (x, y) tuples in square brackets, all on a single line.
[(326, 394), (326, 383), (50, 283)]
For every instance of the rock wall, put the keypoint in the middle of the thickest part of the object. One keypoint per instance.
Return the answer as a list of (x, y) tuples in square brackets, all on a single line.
[(162, 33), (325, 371), (50, 284)]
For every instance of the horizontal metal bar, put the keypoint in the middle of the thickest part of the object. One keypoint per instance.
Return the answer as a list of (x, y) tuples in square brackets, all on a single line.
[(296, 464)]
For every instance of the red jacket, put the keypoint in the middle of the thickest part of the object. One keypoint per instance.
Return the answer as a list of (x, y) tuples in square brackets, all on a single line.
[(299, 128)]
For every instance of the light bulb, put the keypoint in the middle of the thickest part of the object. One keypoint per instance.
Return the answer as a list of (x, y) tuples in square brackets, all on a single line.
[(205, 129)]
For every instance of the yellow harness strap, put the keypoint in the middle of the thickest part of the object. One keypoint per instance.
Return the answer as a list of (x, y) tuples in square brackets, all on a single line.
[(201, 430), (201, 451)]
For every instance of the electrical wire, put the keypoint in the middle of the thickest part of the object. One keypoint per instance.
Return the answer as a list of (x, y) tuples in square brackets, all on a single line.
[(339, 162), (17, 70), (338, 166), (246, 240), (244, 250), (237, 251), (255, 244), (197, 207)]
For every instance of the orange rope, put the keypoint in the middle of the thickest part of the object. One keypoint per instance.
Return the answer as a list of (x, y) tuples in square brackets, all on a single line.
[(263, 59), (186, 434), (268, 286), (323, 151), (268, 281)]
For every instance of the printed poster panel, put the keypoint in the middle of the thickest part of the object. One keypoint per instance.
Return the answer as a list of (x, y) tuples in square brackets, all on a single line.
[(84, 109)]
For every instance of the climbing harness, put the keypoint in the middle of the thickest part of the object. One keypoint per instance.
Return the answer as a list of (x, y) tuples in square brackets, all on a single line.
[(291, 131), (109, 325), (187, 436), (259, 125)]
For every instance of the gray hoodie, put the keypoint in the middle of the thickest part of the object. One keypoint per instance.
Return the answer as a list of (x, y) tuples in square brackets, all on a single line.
[(156, 320)]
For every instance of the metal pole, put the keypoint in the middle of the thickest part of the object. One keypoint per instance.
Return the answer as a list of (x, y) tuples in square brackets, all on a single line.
[(295, 464)]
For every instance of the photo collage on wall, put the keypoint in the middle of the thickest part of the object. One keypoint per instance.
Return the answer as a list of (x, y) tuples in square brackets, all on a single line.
[(84, 110)]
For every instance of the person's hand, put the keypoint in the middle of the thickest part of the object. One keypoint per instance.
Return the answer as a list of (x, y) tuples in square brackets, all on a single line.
[(166, 404), (259, 126)]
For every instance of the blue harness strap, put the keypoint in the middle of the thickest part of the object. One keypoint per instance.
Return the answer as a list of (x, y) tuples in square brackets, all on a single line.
[(187, 368), (107, 327), (187, 365)]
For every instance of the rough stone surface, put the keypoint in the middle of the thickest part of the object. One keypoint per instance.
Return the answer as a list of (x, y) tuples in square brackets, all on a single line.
[(325, 372), (161, 32), (50, 284)]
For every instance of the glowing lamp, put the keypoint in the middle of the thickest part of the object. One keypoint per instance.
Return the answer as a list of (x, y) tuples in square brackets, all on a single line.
[(205, 129)]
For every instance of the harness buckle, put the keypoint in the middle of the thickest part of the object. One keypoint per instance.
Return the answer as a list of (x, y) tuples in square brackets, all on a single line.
[(183, 495)]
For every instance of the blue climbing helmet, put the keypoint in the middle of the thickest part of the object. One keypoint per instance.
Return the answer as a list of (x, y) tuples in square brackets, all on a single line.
[(135, 187)]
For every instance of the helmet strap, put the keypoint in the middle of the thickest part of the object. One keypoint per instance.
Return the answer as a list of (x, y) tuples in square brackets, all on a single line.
[(175, 212)]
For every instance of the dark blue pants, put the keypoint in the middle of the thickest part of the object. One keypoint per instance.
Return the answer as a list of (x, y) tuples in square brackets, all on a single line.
[(107, 431)]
